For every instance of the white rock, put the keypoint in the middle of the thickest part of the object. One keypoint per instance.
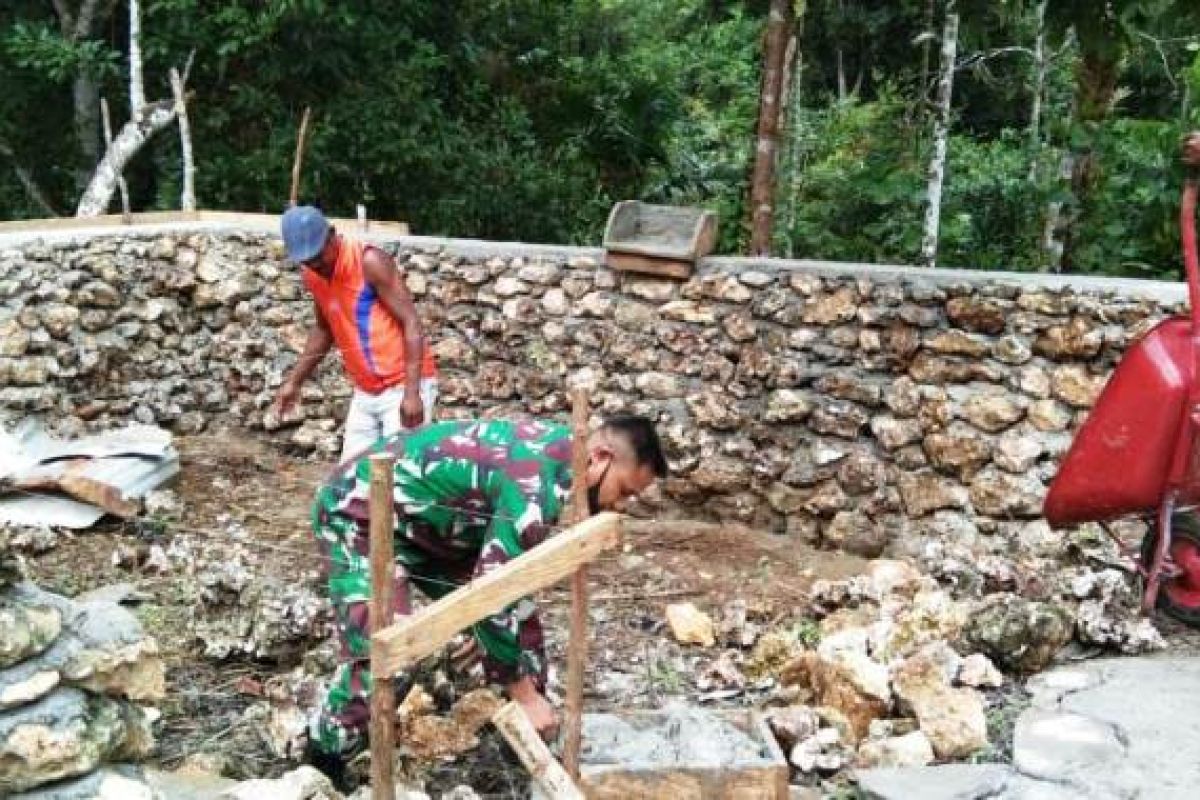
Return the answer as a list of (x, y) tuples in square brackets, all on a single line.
[(978, 670), (910, 750)]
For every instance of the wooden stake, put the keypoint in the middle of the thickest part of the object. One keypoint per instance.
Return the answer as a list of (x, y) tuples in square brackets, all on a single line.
[(577, 643), (299, 159), (523, 738), (383, 571)]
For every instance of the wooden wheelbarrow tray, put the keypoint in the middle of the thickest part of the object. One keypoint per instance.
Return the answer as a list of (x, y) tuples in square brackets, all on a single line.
[(658, 240)]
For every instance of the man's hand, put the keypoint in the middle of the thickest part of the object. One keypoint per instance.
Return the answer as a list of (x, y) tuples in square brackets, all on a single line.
[(1191, 149), (285, 399), (535, 706), (412, 410)]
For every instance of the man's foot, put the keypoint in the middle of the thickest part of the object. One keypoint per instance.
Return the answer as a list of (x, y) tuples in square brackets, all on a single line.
[(332, 766)]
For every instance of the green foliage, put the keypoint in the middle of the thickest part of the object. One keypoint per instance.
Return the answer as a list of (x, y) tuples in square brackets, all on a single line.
[(523, 119), (38, 47)]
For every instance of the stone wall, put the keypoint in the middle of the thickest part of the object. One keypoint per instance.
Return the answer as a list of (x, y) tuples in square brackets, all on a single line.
[(850, 404)]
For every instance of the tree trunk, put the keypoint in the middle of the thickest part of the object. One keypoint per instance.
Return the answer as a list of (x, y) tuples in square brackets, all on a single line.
[(187, 197), (793, 130), (762, 183), (1095, 91), (930, 8), (154, 117), (108, 140), (27, 180), (838, 54), (137, 86), (1039, 86), (86, 97), (941, 135)]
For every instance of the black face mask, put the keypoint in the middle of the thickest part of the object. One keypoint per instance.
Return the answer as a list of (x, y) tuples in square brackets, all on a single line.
[(593, 493)]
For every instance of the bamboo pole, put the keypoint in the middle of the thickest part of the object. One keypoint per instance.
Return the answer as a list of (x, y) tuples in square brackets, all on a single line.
[(383, 570), (521, 736), (301, 138), (577, 643)]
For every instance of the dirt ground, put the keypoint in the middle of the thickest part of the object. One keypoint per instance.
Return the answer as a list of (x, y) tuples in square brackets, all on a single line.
[(252, 482)]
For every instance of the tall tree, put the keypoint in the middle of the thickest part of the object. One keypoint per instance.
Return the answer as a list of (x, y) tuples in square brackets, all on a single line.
[(145, 120), (776, 44), (941, 137)]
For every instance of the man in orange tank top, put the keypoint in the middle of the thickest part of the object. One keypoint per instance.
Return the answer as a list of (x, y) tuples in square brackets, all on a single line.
[(363, 306)]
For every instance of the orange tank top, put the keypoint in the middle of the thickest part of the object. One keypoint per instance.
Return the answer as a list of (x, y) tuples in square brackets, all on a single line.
[(370, 339)]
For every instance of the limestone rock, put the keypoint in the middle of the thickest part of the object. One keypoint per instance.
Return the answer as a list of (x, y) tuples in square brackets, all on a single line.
[(64, 735), (1048, 416), (953, 719), (304, 783), (690, 625), (720, 474), (957, 343), (26, 682), (1002, 494), (1017, 451), (112, 782), (831, 308), (1075, 387), (894, 433), (890, 577), (980, 316), (977, 671), (1077, 339), (1016, 633), (944, 782), (787, 405), (836, 686), (855, 532), (959, 449), (29, 624), (992, 412), (715, 410), (839, 418), (792, 724), (910, 750), (659, 385), (926, 491)]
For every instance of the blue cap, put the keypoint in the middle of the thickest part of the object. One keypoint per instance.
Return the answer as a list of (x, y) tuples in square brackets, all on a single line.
[(304, 231)]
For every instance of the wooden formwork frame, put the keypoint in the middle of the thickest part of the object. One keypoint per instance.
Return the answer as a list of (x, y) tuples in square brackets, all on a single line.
[(396, 645)]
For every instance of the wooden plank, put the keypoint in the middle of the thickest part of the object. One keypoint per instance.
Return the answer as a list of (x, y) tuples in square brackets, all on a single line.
[(577, 642), (425, 632), (266, 222), (521, 736), (664, 267), (383, 571)]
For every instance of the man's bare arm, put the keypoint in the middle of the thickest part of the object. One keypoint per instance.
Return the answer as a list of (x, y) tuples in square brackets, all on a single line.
[(319, 341)]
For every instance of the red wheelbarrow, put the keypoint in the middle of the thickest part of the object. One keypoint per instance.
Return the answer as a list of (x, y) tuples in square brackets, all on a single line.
[(1139, 450)]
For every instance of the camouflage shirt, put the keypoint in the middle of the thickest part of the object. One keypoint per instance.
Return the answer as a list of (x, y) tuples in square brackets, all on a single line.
[(469, 496)]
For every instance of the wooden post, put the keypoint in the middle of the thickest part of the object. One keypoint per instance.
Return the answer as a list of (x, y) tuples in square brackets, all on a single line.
[(301, 137), (577, 643), (521, 736), (383, 570)]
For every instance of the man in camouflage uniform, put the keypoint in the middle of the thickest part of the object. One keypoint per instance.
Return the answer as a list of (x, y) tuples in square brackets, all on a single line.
[(469, 496)]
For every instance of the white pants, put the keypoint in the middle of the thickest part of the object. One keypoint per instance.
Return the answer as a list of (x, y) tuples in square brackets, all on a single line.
[(374, 415)]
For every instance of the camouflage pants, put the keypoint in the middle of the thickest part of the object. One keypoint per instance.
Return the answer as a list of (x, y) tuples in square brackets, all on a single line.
[(340, 725)]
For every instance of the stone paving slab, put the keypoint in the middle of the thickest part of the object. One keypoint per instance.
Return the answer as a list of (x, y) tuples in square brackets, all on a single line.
[(1111, 729)]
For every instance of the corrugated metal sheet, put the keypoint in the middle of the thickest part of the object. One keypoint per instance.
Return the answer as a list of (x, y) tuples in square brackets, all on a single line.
[(130, 461)]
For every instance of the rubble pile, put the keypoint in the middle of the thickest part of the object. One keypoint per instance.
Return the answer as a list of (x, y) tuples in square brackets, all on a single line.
[(901, 671), (75, 678)]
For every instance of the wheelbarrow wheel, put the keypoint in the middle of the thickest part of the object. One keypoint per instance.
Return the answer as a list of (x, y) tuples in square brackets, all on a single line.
[(1179, 597)]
